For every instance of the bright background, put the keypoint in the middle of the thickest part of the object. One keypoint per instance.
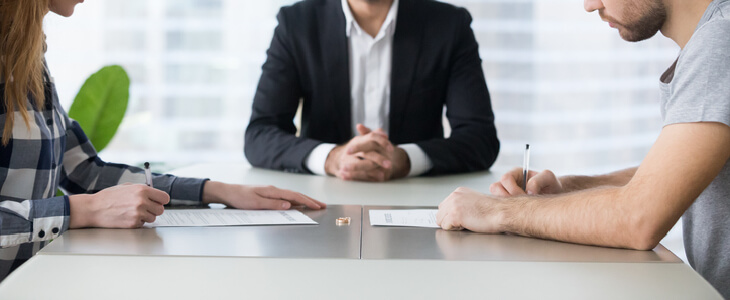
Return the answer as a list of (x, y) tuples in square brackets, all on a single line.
[(560, 79)]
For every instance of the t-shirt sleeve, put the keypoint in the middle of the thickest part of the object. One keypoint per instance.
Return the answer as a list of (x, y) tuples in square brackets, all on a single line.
[(700, 91)]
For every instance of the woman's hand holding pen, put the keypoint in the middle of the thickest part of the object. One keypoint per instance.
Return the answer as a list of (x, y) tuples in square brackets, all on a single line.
[(544, 182), (256, 197), (122, 206)]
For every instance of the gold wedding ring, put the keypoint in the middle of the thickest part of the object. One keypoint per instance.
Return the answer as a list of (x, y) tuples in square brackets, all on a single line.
[(343, 221)]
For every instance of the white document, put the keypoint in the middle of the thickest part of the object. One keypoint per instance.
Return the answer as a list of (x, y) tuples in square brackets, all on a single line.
[(228, 217), (404, 217)]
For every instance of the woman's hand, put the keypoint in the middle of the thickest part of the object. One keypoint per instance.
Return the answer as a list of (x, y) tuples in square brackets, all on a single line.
[(256, 197), (122, 206)]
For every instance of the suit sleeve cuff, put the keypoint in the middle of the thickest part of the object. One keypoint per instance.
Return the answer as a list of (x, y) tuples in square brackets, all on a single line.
[(420, 162), (316, 159)]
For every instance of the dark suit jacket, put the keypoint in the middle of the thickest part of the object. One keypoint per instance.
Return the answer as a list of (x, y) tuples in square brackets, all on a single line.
[(435, 63)]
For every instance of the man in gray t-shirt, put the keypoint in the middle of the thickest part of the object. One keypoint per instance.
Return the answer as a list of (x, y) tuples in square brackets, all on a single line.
[(685, 173), (697, 89)]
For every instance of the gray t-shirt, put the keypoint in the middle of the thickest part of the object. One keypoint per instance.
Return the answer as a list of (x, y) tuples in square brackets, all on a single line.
[(697, 89)]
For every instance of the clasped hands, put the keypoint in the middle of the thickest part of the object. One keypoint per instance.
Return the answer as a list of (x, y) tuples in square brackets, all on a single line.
[(368, 157)]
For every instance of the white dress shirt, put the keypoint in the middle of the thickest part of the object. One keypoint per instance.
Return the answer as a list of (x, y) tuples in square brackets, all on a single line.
[(370, 72)]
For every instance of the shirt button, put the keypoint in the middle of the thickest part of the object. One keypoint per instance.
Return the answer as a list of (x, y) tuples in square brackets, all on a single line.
[(54, 165), (55, 230), (49, 122), (41, 234)]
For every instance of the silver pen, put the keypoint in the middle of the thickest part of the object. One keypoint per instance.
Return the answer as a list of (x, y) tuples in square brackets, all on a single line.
[(148, 174), (525, 167)]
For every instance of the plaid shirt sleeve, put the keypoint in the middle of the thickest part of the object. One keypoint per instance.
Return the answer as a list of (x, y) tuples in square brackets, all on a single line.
[(29, 210), (84, 172), (30, 214), (32, 220)]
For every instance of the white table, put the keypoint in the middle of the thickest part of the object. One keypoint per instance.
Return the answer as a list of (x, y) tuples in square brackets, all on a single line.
[(420, 191), (78, 275)]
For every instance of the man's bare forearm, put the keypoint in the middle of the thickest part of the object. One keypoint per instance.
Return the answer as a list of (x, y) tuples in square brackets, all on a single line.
[(591, 217), (572, 183)]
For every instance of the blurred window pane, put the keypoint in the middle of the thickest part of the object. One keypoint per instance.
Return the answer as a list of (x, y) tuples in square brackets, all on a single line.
[(178, 40), (194, 8)]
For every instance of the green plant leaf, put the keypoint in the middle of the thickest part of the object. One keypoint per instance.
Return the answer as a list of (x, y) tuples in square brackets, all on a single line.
[(101, 103)]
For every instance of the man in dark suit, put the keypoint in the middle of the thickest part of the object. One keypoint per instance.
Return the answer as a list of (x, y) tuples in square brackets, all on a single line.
[(359, 65)]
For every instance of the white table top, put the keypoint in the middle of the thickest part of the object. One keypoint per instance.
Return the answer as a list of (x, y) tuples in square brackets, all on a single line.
[(418, 191), (102, 276), (323, 240)]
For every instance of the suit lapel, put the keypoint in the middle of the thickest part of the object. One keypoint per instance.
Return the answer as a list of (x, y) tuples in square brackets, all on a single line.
[(335, 58), (406, 50)]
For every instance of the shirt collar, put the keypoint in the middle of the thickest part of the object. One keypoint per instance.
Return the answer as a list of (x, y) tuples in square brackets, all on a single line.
[(351, 23)]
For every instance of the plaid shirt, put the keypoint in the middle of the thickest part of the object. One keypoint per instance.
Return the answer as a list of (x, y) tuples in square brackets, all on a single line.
[(54, 152)]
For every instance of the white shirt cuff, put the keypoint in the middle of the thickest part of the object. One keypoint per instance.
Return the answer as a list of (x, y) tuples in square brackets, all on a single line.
[(420, 162), (317, 158)]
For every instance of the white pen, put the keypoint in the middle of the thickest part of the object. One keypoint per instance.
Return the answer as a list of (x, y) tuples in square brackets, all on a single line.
[(148, 174), (525, 167)]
